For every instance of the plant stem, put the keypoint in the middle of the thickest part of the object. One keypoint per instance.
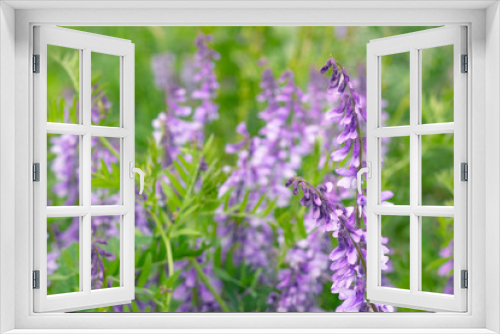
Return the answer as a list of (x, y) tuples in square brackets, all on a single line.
[(358, 216), (110, 147), (168, 246), (206, 281)]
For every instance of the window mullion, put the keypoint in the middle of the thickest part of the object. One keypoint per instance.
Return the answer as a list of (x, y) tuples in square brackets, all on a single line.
[(414, 170), (80, 171), (85, 166)]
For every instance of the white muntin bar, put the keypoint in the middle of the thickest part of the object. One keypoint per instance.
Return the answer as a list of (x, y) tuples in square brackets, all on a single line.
[(415, 171)]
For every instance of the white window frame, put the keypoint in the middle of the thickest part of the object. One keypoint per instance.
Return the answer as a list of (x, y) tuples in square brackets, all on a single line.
[(85, 44), (413, 44), (483, 100)]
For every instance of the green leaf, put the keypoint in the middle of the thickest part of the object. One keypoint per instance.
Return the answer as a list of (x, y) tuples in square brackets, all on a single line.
[(180, 170), (256, 207), (436, 264), (301, 229), (146, 271), (208, 148), (218, 257), (185, 251), (135, 308), (226, 198), (186, 214), (269, 208), (255, 279), (284, 222), (187, 201), (60, 277), (243, 204), (173, 201), (189, 166), (176, 184), (186, 232), (223, 275), (142, 258), (171, 280), (229, 265)]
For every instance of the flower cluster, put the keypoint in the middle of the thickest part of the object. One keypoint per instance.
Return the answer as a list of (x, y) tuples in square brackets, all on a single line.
[(306, 273), (347, 113), (174, 128), (264, 161), (323, 210), (177, 126), (206, 80), (349, 257)]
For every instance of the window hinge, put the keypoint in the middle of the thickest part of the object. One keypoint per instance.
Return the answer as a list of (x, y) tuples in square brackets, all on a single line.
[(465, 279), (36, 279), (464, 171), (36, 172), (36, 63), (465, 64)]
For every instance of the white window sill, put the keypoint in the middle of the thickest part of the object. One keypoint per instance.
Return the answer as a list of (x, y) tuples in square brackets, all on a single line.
[(250, 331)]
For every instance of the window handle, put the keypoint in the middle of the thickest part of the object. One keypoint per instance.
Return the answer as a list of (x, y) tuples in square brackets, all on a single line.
[(134, 170), (368, 172)]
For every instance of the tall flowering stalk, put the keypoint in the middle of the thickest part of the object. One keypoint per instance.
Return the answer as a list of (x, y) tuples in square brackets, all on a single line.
[(175, 128), (206, 80), (346, 223), (300, 283), (264, 162)]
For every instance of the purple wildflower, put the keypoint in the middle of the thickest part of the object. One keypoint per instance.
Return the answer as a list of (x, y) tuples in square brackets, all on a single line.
[(302, 281), (206, 79), (65, 167), (176, 126)]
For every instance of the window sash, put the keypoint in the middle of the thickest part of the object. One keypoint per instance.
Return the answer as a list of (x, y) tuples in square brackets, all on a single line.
[(86, 43), (413, 43)]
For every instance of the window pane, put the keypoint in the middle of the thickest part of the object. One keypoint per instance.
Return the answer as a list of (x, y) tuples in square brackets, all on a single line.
[(396, 245), (437, 254), (63, 255), (63, 84), (105, 171), (105, 89), (395, 168), (437, 169), (395, 89), (105, 254), (437, 84), (63, 170)]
